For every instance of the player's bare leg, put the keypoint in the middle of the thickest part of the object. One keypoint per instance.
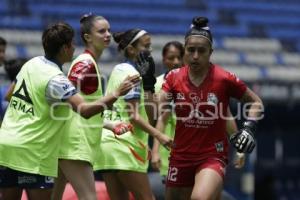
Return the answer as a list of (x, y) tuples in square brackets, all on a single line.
[(115, 188), (137, 183), (80, 174), (59, 186), (208, 184), (178, 193), (11, 193), (38, 194)]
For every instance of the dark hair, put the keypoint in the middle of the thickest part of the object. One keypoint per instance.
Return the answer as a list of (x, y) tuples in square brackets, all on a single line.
[(55, 36), (13, 67), (176, 44), (124, 38), (86, 24), (3, 41), (199, 27)]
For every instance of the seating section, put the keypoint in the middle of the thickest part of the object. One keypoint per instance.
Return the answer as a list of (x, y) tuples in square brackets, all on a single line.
[(250, 58), (241, 18), (246, 34), (252, 44), (258, 40)]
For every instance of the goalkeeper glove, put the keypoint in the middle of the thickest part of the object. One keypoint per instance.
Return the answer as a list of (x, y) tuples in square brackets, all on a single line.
[(244, 140), (146, 67)]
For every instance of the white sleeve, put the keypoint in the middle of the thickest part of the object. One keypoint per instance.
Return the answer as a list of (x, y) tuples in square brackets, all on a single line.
[(59, 89)]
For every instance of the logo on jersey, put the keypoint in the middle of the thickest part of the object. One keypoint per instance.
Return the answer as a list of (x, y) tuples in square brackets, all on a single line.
[(180, 96), (219, 146), (212, 99), (49, 179), (65, 87), (22, 93), (195, 114), (195, 98), (27, 179)]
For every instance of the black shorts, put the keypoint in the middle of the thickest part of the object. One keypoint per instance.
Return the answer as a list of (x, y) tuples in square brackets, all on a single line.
[(14, 178)]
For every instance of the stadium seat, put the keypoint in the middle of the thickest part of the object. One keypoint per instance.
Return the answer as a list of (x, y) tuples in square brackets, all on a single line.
[(225, 57), (292, 59), (260, 59), (252, 44)]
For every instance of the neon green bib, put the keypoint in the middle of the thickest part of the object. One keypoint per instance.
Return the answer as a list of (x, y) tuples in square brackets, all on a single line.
[(129, 151), (81, 137), (30, 136)]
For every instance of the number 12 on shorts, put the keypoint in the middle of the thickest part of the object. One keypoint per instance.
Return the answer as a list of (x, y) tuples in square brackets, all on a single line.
[(172, 174)]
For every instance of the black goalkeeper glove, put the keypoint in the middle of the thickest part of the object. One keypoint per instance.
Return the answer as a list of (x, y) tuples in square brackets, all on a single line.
[(146, 67), (244, 140)]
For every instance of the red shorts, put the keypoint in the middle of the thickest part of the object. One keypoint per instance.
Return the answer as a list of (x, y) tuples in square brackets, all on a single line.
[(183, 175)]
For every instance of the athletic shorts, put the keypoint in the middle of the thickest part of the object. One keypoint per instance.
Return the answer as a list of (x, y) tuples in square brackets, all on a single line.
[(183, 175), (13, 178)]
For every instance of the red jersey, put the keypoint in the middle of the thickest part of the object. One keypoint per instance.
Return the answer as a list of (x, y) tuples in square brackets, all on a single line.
[(200, 111), (84, 74)]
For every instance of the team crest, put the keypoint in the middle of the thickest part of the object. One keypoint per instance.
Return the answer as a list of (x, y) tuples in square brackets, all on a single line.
[(219, 146), (212, 98), (180, 96)]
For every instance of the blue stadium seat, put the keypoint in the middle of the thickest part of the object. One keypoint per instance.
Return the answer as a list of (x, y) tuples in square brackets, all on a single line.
[(258, 17), (254, 6), (21, 22)]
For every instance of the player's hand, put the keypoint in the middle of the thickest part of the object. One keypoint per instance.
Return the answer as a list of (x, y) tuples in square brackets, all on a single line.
[(165, 140), (155, 161), (244, 141), (120, 128), (146, 66), (239, 160), (129, 83)]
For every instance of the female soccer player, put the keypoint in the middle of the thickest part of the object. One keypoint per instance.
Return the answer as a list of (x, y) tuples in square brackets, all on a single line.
[(124, 158), (30, 134), (81, 137), (201, 91), (172, 58)]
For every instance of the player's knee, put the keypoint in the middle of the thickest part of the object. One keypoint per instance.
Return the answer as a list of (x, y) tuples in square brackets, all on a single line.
[(200, 197), (88, 198), (145, 195)]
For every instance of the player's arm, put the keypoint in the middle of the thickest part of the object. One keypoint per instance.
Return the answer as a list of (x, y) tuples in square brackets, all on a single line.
[(118, 128), (138, 121), (146, 67), (88, 110), (60, 89), (231, 128), (164, 113), (10, 91), (256, 105), (132, 99), (244, 140), (160, 125), (150, 107)]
